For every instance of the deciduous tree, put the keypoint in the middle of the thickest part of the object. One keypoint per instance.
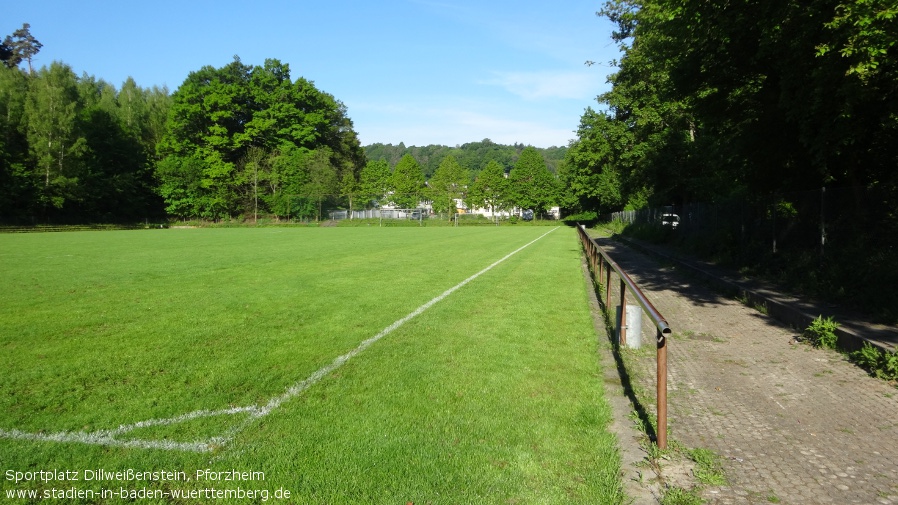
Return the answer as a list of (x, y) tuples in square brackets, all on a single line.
[(376, 182), (53, 135), (408, 183), (531, 186), (490, 188), (448, 184)]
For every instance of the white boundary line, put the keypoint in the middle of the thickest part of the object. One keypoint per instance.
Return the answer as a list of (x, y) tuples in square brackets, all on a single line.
[(108, 437)]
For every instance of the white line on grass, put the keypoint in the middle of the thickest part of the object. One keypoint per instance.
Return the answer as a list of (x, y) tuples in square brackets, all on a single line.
[(108, 437)]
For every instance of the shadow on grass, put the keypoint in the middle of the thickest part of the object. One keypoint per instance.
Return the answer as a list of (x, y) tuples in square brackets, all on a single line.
[(647, 423)]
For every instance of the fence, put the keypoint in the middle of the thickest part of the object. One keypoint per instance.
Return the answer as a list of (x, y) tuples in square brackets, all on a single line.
[(601, 265), (807, 220), (413, 214), (837, 244)]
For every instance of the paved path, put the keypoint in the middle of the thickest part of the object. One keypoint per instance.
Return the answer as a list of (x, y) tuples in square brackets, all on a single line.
[(793, 424)]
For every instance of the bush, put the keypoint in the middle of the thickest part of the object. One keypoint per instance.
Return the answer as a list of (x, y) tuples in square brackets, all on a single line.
[(822, 332), (587, 219), (883, 365)]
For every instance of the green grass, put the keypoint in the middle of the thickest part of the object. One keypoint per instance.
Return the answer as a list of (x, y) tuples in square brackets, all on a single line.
[(491, 396)]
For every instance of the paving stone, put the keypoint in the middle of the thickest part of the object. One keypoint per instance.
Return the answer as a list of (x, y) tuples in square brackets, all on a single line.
[(789, 421)]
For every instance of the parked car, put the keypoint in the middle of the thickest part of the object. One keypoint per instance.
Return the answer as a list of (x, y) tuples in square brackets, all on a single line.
[(671, 220)]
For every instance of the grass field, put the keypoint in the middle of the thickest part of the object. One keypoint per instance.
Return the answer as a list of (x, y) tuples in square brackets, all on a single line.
[(251, 349)]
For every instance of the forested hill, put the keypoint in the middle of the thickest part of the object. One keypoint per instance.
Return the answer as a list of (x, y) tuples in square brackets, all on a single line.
[(472, 155)]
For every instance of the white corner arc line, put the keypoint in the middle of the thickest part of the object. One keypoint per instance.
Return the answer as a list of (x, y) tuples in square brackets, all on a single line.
[(108, 437)]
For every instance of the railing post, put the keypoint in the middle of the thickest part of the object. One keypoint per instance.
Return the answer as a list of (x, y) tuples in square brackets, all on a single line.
[(592, 258), (608, 286), (622, 331), (661, 393), (595, 263)]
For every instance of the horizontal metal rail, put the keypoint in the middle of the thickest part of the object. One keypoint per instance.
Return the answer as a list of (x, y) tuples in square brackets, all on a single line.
[(602, 266)]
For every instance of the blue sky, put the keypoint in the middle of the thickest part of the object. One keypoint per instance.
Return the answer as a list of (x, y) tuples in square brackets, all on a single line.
[(414, 71)]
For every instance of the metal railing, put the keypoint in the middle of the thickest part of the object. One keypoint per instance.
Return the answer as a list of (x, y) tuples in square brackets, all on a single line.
[(602, 266)]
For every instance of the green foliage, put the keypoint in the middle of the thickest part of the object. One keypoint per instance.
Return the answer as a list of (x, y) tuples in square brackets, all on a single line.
[(447, 185), (530, 185), (679, 496), (349, 188), (21, 45), (54, 138), (473, 156), (712, 101), (708, 470), (590, 176), (302, 141), (376, 181), (75, 149), (490, 188), (821, 332), (407, 183), (864, 32), (883, 365), (587, 218), (889, 369)]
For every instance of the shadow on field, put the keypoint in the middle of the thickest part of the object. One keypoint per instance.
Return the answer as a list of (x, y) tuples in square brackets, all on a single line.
[(626, 383)]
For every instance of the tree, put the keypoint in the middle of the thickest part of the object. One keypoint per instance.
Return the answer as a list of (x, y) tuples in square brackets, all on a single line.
[(531, 186), (490, 188), (21, 45), (181, 185), (218, 116), (408, 183), (447, 185), (287, 183), (323, 183), (349, 188), (17, 183), (376, 182), (115, 181), (53, 135), (253, 172), (590, 175)]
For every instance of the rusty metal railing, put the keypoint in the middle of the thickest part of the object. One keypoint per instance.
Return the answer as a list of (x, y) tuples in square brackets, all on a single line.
[(602, 266)]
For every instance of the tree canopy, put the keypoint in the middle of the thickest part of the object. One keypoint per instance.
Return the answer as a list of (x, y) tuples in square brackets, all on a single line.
[(712, 101), (21, 45), (448, 184), (530, 185), (407, 183), (490, 188), (76, 149), (294, 138)]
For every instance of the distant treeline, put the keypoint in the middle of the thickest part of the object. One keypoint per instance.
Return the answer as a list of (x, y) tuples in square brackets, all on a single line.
[(473, 155), (234, 142)]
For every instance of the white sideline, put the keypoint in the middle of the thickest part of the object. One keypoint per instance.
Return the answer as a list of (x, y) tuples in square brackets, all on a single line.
[(108, 437)]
